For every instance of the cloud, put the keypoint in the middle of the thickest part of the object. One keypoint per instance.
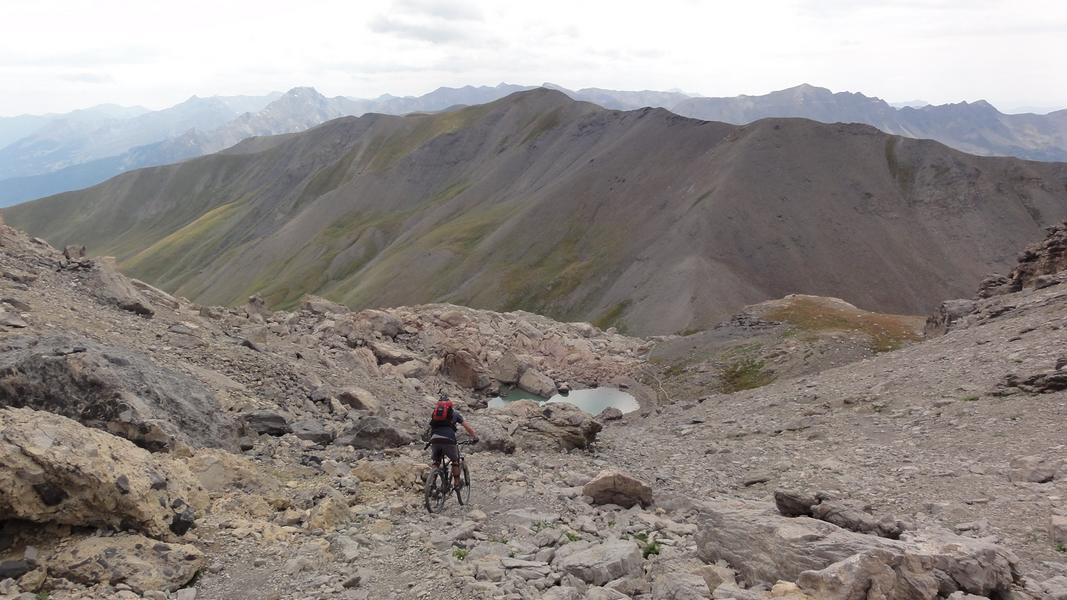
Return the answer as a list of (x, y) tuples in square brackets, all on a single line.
[(445, 10), (426, 32), (433, 21), (84, 58), (86, 77)]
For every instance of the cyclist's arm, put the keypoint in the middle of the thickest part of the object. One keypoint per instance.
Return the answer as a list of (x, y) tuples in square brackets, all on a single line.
[(469, 429)]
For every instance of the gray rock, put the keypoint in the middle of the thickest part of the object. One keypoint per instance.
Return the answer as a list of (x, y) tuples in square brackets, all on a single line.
[(112, 287), (554, 425), (113, 389), (855, 517), (15, 568), (311, 430), (266, 422), (794, 504), (680, 586), (767, 547), (1032, 469), (12, 320), (374, 433), (609, 414), (601, 563)]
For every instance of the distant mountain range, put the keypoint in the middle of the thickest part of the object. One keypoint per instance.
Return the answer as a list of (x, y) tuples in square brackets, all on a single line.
[(642, 219), (976, 127), (44, 155)]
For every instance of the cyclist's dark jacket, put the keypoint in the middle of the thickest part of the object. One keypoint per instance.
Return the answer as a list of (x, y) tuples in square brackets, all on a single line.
[(446, 433)]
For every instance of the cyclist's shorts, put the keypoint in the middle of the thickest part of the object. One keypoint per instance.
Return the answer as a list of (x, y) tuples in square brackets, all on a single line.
[(449, 449)]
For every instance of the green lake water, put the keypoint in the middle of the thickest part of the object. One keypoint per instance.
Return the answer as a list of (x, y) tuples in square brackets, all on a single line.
[(592, 401)]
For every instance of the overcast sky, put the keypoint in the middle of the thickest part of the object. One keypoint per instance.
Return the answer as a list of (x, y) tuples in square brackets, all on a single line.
[(57, 55)]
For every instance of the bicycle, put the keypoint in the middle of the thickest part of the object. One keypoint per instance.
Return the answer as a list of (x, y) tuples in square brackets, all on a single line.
[(439, 483)]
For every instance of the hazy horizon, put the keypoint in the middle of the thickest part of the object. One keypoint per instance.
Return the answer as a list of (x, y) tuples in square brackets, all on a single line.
[(58, 56)]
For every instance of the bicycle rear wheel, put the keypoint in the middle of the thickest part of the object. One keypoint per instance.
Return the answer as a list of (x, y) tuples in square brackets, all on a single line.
[(436, 491), (464, 492)]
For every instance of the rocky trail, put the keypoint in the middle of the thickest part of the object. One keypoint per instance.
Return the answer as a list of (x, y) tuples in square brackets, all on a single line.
[(154, 448)]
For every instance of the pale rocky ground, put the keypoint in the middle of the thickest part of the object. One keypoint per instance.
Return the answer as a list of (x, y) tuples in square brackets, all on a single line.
[(946, 451)]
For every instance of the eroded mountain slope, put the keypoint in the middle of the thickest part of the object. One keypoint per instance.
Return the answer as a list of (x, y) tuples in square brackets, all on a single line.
[(642, 219)]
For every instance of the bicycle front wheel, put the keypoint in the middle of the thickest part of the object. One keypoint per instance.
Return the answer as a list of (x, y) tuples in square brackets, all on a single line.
[(436, 491), (464, 492)]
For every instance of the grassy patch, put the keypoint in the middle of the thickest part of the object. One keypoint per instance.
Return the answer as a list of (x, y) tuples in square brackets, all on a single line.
[(170, 260), (650, 549), (387, 151), (886, 332), (745, 373), (460, 553), (613, 315), (971, 398), (1061, 547), (544, 123)]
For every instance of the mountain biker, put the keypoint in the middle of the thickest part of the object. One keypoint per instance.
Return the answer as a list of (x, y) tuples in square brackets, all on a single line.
[(443, 436)]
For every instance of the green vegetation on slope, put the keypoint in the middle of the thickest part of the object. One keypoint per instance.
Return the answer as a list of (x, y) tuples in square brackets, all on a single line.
[(171, 259), (886, 332)]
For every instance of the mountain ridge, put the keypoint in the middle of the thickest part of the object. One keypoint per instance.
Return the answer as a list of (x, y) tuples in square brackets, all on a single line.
[(975, 127), (518, 204)]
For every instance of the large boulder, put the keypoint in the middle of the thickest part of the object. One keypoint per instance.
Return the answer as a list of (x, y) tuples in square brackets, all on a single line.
[(139, 562), (765, 547), (600, 563), (465, 369), (53, 469), (372, 321), (114, 288), (872, 574), (374, 433), (113, 389), (552, 425), (615, 487), (507, 368), (536, 382)]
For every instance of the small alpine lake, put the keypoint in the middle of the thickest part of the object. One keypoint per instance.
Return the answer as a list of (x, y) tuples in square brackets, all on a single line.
[(592, 401)]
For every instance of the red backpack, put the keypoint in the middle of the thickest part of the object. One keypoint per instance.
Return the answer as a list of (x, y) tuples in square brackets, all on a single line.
[(442, 414)]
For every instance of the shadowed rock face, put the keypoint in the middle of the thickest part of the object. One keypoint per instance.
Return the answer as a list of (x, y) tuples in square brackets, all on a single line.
[(111, 389), (641, 219)]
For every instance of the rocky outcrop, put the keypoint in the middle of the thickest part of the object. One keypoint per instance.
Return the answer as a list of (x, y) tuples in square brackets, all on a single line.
[(141, 563), (552, 425), (53, 469), (611, 486), (1046, 257), (112, 389), (947, 314), (766, 547)]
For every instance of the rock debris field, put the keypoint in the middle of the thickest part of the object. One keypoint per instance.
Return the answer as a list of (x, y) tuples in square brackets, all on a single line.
[(154, 448)]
